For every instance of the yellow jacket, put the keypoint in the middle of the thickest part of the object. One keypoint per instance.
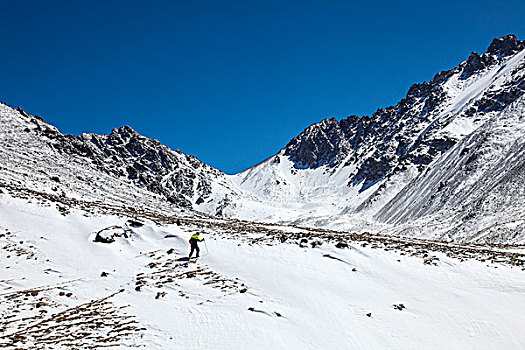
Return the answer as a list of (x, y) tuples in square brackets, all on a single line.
[(195, 237)]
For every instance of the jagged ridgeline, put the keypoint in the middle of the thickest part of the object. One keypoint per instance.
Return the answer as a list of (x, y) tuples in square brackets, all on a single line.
[(120, 168), (410, 132), (446, 162)]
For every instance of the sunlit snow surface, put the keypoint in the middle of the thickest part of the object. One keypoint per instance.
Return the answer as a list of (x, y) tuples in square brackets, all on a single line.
[(239, 294)]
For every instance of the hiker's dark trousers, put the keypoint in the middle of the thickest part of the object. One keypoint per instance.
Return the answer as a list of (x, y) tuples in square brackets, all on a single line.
[(194, 247)]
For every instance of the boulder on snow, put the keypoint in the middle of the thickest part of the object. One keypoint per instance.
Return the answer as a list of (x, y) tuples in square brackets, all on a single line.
[(108, 234), (135, 223), (341, 244)]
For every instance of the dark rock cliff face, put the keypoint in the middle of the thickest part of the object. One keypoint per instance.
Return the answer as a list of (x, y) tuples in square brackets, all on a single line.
[(502, 47), (505, 46), (320, 144), (397, 136)]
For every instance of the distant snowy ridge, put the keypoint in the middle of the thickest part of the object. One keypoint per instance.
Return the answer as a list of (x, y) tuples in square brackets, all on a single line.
[(447, 162)]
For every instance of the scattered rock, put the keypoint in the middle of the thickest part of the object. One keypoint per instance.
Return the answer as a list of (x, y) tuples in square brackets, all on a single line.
[(399, 307), (369, 314), (341, 244), (104, 274), (244, 290), (160, 295), (316, 243), (135, 223)]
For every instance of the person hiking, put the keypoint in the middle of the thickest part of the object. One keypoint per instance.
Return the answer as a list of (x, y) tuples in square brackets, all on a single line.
[(194, 246)]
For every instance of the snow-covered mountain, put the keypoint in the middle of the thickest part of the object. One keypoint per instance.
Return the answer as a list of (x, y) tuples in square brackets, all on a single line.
[(448, 157), (122, 168), (452, 150)]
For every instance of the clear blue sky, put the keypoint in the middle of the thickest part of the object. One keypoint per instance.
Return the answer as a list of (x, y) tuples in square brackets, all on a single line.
[(231, 82)]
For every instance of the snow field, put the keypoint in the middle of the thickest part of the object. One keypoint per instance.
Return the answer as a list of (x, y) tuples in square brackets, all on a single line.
[(296, 298)]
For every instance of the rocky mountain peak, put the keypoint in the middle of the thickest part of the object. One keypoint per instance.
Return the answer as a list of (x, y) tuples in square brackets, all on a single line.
[(124, 130), (317, 145), (505, 46), (124, 133)]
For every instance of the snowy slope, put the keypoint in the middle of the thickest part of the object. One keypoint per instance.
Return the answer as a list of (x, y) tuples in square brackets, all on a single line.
[(257, 287), (484, 176)]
